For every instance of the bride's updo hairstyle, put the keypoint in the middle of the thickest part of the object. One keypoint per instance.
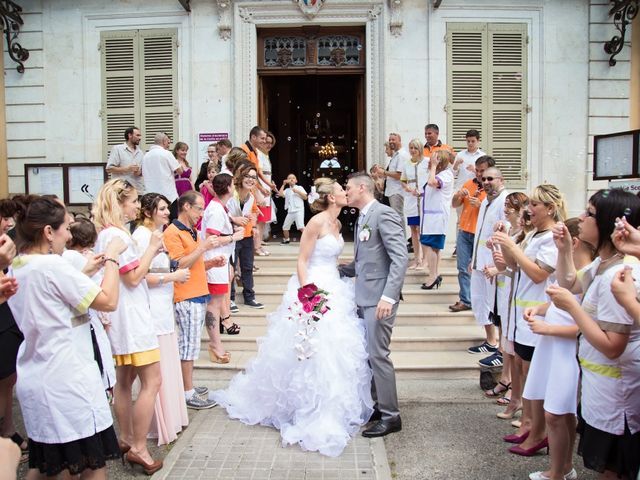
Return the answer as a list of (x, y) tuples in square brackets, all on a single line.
[(324, 188)]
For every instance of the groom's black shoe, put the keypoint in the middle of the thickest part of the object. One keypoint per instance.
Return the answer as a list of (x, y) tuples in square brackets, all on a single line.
[(375, 416), (383, 427)]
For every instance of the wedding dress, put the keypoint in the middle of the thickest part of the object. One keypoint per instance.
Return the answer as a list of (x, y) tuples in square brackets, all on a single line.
[(320, 398)]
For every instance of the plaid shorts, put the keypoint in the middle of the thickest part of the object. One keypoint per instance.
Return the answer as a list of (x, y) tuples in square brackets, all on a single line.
[(189, 320)]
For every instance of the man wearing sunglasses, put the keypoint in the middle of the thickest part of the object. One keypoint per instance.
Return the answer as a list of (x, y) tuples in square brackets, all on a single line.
[(483, 291)]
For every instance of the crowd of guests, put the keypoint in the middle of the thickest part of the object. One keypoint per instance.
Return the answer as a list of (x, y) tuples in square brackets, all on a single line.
[(90, 305), (557, 298)]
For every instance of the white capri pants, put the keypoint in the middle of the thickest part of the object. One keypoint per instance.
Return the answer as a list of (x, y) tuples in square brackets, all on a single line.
[(291, 217)]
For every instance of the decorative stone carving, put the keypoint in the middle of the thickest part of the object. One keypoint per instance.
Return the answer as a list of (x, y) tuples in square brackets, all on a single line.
[(395, 24), (224, 24), (310, 7), (375, 11)]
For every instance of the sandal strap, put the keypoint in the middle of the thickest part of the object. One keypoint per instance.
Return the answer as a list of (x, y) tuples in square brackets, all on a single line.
[(233, 329)]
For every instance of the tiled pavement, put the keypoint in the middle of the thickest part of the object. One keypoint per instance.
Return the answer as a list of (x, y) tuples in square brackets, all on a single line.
[(215, 447)]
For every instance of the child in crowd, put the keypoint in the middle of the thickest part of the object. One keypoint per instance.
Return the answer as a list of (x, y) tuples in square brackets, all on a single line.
[(80, 254), (206, 188), (294, 198)]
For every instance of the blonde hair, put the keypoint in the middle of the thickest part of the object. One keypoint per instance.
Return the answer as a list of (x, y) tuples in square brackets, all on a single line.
[(107, 207), (550, 195), (324, 188), (444, 159), (417, 144)]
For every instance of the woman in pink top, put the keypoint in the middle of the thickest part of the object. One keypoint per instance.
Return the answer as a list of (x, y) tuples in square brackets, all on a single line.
[(183, 180)]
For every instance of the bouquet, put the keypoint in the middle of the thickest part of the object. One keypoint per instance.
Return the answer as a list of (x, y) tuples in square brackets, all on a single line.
[(310, 307)]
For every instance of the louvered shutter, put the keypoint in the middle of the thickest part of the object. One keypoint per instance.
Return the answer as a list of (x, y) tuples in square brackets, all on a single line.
[(466, 94), (120, 82), (508, 100), (158, 51), (487, 90)]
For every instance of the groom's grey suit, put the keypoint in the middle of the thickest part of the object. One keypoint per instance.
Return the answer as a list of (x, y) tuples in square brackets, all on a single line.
[(379, 268)]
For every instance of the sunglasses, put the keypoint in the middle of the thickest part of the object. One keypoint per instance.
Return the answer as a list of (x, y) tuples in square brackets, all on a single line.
[(489, 179)]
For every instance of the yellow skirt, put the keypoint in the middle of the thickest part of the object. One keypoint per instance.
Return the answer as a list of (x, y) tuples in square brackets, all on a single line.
[(138, 359)]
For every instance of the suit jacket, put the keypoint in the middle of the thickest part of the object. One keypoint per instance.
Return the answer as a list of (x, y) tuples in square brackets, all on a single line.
[(380, 262)]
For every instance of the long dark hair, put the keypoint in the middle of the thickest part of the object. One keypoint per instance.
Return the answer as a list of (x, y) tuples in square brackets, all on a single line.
[(612, 204)]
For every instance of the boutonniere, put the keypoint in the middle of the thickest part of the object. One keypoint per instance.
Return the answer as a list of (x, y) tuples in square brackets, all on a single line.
[(365, 233)]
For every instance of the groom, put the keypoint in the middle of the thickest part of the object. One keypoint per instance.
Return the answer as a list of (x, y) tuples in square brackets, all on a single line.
[(379, 267)]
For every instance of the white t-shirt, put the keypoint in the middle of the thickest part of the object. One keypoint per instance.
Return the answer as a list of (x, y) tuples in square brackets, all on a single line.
[(59, 386), (610, 387), (467, 169), (132, 330), (216, 221), (122, 156), (292, 201), (160, 296), (158, 166), (539, 248), (415, 175), (436, 205), (396, 164)]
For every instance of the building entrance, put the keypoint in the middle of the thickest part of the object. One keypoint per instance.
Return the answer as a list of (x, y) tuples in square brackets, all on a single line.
[(318, 122)]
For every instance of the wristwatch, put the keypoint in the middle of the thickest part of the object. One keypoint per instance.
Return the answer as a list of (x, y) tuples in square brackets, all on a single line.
[(161, 279)]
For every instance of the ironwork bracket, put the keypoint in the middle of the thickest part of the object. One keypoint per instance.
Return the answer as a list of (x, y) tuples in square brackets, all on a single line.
[(623, 11), (11, 23)]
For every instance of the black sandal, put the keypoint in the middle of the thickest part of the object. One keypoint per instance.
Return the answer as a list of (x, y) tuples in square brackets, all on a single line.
[(234, 329), (18, 440), (494, 393)]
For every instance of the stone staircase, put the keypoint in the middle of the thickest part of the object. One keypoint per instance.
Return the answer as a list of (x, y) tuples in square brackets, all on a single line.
[(428, 340)]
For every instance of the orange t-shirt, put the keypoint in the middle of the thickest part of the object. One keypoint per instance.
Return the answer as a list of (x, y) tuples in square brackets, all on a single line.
[(469, 214), (427, 150), (179, 242), (251, 155)]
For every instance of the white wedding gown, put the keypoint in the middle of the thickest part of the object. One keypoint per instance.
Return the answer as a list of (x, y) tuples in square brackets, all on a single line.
[(318, 402)]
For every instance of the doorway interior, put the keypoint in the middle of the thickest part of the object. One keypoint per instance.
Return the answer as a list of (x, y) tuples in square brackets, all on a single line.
[(318, 122)]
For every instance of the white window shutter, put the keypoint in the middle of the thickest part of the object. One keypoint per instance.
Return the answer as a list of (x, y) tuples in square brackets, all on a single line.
[(487, 90), (158, 51), (508, 100), (120, 81)]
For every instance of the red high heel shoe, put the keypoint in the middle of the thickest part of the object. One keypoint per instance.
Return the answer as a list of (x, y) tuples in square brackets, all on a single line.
[(515, 438), (149, 468), (530, 452)]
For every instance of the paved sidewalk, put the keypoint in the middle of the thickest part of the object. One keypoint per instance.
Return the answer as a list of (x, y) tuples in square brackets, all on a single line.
[(215, 447)]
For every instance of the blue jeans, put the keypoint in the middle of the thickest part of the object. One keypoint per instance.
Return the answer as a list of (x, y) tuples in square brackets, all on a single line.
[(464, 251)]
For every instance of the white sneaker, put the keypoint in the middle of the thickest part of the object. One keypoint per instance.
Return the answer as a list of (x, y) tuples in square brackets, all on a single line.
[(572, 475)]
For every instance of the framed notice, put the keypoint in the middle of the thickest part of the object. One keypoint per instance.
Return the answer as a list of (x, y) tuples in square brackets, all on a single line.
[(75, 183), (44, 179), (616, 156), (84, 181)]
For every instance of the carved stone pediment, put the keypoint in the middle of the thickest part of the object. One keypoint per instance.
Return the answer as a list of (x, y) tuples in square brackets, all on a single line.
[(310, 7)]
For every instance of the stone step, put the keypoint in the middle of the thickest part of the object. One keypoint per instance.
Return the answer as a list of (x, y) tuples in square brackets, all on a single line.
[(273, 277), (408, 365), (411, 293), (408, 314), (405, 338), (289, 260)]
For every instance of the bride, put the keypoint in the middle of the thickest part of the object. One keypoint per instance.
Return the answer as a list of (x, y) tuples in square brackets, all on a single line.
[(312, 382)]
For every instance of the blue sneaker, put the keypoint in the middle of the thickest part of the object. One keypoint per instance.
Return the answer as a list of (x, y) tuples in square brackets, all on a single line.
[(492, 361), (484, 348)]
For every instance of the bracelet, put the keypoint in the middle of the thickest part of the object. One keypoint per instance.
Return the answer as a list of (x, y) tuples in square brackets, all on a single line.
[(112, 260)]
